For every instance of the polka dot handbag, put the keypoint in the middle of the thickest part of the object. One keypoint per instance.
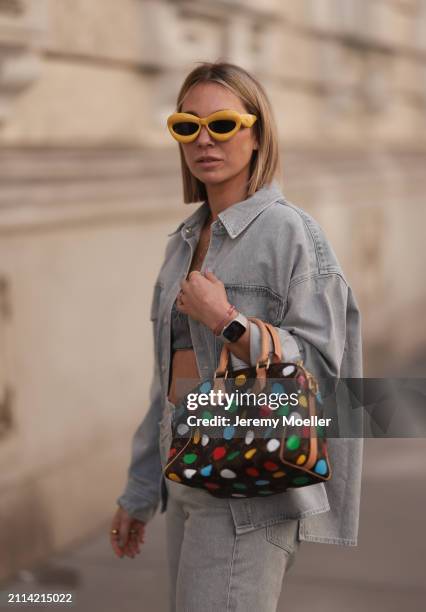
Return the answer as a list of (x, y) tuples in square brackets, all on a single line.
[(248, 445)]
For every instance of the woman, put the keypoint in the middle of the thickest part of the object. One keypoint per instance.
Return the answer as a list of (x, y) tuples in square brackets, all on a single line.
[(251, 249)]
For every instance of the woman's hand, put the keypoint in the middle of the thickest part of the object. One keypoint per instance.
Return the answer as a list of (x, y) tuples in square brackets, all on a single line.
[(203, 297), (130, 535)]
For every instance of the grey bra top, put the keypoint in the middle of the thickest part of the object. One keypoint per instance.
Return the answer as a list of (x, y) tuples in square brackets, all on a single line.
[(180, 332)]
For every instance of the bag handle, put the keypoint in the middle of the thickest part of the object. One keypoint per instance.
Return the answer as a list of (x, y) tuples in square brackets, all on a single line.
[(262, 364), (278, 353), (267, 329)]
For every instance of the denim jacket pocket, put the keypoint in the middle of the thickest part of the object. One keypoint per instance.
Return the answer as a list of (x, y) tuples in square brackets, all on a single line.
[(256, 301)]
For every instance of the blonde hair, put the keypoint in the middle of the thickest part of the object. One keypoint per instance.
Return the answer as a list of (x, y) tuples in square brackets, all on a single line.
[(265, 163)]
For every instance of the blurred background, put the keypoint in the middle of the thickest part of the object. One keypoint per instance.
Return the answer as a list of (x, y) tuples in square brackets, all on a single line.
[(89, 189)]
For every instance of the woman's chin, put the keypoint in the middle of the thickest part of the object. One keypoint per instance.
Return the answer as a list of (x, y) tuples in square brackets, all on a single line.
[(211, 177)]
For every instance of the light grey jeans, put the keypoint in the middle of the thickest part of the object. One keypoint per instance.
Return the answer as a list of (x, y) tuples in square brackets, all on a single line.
[(211, 567)]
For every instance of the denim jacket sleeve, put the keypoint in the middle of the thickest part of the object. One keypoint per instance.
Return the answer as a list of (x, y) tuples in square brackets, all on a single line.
[(142, 492), (313, 325), (321, 324)]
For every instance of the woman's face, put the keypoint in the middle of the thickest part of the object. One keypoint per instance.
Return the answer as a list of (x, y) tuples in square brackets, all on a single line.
[(234, 154)]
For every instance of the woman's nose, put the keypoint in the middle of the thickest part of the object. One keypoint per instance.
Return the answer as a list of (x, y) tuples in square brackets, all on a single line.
[(204, 136)]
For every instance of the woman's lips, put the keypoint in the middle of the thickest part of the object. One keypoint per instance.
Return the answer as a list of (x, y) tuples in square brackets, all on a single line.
[(209, 164)]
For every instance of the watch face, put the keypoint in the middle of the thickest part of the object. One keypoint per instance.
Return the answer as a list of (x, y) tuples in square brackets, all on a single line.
[(234, 331)]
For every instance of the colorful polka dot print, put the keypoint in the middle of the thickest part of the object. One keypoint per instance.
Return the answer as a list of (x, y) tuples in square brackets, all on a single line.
[(238, 464)]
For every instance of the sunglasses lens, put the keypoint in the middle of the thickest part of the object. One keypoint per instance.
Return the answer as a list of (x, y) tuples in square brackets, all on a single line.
[(185, 128), (222, 126)]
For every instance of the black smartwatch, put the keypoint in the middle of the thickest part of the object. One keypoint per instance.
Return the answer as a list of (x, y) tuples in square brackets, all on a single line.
[(234, 329)]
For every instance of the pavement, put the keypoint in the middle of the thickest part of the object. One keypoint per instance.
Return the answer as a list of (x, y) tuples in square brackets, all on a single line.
[(385, 573)]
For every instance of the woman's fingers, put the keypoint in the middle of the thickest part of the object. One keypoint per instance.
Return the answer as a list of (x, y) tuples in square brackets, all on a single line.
[(129, 536), (116, 548), (124, 528), (131, 548), (128, 550), (116, 545), (132, 545), (211, 276), (115, 537), (135, 537)]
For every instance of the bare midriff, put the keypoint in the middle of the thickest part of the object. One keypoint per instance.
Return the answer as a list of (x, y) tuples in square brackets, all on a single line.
[(184, 369)]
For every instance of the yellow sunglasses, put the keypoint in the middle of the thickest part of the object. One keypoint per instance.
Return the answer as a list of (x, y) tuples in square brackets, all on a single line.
[(221, 125)]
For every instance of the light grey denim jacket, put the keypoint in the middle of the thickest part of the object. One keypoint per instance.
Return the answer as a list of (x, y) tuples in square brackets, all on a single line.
[(276, 264)]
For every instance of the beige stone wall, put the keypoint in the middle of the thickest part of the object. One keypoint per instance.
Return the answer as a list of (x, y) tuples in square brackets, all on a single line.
[(79, 104), (81, 351), (342, 70), (90, 187)]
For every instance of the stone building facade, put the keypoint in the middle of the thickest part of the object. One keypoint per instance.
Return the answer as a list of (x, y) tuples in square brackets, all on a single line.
[(90, 187)]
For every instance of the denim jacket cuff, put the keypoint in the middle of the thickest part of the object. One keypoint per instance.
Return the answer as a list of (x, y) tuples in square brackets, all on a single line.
[(291, 350), (137, 506), (139, 510)]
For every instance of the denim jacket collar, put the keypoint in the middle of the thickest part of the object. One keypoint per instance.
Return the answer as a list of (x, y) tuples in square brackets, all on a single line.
[(238, 216)]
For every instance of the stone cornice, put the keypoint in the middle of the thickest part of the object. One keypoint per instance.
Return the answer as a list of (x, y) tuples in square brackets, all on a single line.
[(45, 186), (22, 28), (42, 187)]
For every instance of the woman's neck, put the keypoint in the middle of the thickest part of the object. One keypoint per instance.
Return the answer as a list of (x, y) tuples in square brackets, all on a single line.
[(223, 195)]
